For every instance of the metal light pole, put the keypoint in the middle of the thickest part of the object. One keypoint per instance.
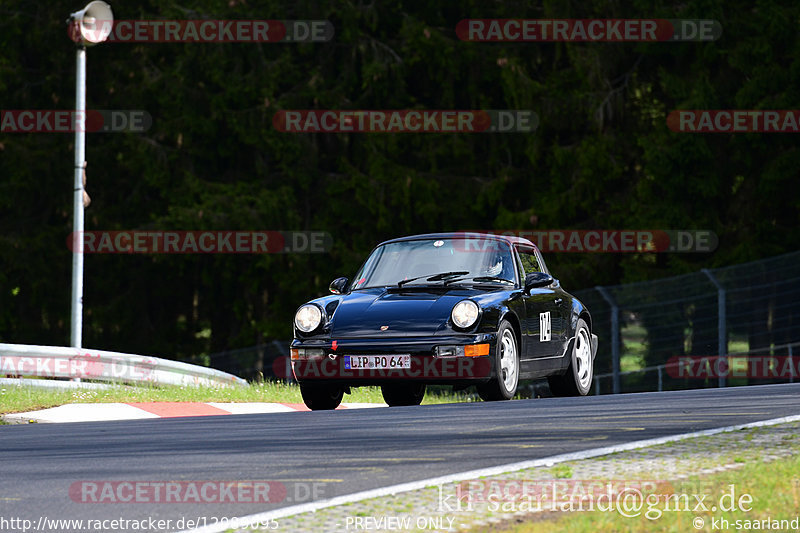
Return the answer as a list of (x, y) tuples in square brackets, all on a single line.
[(90, 26), (77, 200)]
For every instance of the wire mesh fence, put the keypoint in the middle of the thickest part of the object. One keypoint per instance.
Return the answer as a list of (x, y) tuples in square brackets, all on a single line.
[(736, 325)]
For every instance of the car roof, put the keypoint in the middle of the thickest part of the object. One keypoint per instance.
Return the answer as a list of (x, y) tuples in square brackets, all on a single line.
[(510, 239)]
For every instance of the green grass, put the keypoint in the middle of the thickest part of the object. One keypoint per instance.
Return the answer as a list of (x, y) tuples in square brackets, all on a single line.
[(774, 488), (738, 346), (633, 347), (561, 471), (631, 362), (14, 399)]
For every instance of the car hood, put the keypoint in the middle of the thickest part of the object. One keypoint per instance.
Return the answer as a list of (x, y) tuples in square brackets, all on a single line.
[(406, 313)]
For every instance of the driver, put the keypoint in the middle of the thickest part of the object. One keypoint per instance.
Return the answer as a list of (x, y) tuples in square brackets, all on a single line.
[(500, 266)]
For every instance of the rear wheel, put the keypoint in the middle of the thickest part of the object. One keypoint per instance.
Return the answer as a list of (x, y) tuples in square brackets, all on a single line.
[(504, 385), (321, 397), (578, 379), (398, 394)]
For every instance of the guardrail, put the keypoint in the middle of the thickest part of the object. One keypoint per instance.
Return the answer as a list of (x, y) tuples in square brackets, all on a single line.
[(99, 365), (53, 384)]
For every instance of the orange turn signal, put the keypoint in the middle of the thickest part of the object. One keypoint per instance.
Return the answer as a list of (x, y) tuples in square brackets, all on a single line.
[(295, 353), (475, 350)]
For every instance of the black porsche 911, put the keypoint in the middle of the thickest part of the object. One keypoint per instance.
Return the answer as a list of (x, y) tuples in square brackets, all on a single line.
[(458, 309)]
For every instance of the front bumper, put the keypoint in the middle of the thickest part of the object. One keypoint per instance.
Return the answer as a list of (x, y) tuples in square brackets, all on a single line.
[(426, 367)]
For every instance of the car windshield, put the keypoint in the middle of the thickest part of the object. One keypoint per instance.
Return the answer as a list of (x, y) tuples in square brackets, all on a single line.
[(445, 260)]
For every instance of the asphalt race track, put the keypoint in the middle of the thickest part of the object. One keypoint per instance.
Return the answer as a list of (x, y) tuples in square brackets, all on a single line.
[(342, 451)]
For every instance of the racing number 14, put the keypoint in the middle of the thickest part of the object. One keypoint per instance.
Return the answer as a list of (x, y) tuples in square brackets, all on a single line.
[(544, 326)]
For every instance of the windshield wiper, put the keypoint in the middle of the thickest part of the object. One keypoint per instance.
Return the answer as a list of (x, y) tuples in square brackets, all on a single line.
[(434, 277), (491, 278)]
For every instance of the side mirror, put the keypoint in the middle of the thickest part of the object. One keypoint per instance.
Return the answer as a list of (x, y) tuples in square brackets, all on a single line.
[(338, 285), (535, 280)]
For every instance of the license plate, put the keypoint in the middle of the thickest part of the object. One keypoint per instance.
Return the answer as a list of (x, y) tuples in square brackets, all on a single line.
[(377, 362)]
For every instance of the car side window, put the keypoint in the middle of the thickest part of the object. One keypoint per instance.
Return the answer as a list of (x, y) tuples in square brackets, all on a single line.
[(520, 267), (529, 262)]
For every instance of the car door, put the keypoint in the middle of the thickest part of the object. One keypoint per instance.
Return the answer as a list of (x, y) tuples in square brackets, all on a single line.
[(560, 319), (541, 313)]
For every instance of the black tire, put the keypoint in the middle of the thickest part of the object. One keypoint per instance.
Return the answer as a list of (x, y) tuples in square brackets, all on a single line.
[(574, 381), (399, 394), (321, 397), (503, 386)]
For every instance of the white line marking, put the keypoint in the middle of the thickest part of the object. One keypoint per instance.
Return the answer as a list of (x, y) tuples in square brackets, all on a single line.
[(482, 472)]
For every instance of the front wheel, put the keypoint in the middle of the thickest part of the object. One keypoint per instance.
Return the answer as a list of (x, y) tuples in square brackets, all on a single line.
[(578, 379), (503, 385), (321, 397), (398, 394)]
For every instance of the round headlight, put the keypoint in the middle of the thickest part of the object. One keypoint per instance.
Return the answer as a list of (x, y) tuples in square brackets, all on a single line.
[(307, 318), (465, 313)]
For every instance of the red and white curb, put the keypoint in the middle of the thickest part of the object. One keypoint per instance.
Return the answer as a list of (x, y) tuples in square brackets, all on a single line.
[(99, 412)]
